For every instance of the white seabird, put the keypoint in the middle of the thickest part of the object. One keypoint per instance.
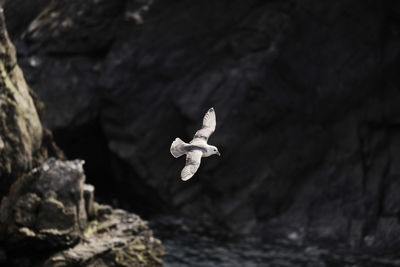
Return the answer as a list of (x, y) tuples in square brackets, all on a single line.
[(197, 148)]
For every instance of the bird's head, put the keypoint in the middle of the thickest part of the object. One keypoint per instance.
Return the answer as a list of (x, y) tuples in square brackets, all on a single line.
[(214, 151)]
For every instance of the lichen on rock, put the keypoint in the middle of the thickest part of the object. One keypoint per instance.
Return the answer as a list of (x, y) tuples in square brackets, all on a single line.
[(20, 127), (118, 239), (46, 210)]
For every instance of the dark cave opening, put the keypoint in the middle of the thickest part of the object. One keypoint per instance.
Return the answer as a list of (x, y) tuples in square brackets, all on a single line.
[(106, 171)]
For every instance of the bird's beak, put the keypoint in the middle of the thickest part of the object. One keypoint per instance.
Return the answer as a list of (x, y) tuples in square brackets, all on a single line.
[(219, 154)]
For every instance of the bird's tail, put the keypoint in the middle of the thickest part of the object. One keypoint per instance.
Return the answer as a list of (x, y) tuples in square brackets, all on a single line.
[(177, 148)]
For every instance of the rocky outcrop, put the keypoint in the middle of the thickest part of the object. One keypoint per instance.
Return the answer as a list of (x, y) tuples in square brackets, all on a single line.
[(24, 143), (50, 212), (48, 216), (20, 127), (309, 90), (115, 239), (45, 206)]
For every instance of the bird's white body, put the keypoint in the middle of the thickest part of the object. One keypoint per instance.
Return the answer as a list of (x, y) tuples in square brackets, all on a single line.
[(197, 148)]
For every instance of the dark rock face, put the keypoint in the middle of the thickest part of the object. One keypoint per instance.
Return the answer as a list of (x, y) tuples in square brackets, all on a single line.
[(306, 95)]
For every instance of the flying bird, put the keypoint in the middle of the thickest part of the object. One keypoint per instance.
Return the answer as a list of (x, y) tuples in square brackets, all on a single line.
[(197, 148)]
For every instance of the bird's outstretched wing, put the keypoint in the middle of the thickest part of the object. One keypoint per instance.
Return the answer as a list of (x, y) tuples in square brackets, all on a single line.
[(193, 159), (209, 123)]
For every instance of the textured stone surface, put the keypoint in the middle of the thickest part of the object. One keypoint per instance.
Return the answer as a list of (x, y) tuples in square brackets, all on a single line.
[(49, 207), (45, 213), (117, 239), (20, 127), (309, 89)]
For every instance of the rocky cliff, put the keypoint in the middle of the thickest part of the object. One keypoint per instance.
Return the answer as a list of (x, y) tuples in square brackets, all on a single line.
[(20, 131), (306, 95), (48, 216)]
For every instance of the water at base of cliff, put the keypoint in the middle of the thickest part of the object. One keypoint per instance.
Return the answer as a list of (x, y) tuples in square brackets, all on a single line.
[(196, 246)]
